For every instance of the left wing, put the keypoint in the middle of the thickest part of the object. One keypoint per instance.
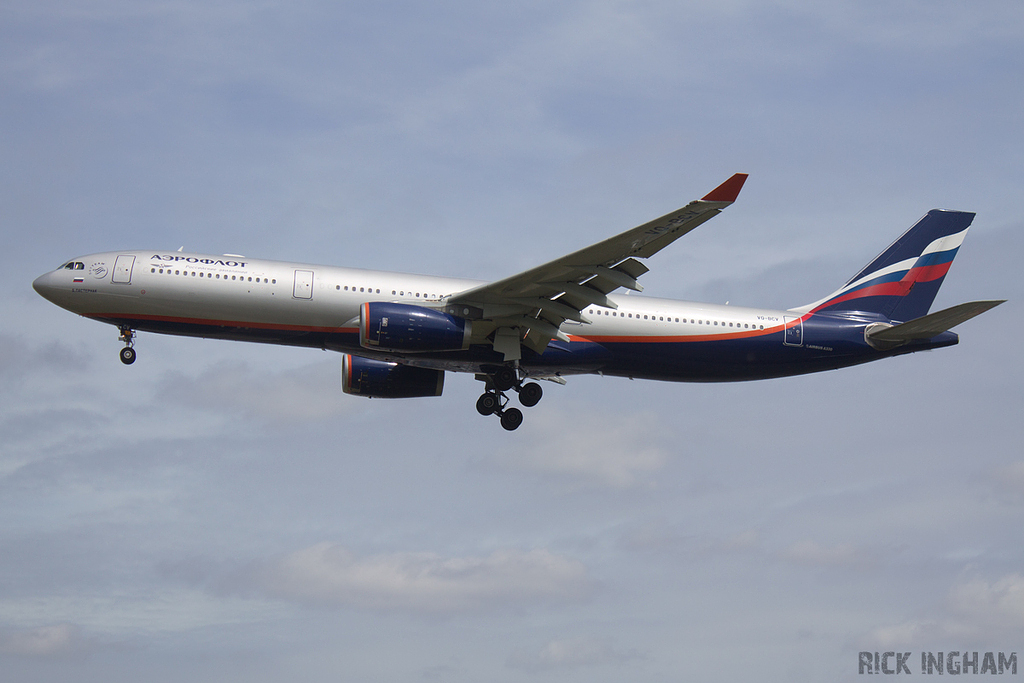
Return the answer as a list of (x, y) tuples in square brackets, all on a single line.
[(528, 308)]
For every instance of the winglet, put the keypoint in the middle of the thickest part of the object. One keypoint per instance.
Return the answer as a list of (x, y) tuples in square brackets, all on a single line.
[(727, 191)]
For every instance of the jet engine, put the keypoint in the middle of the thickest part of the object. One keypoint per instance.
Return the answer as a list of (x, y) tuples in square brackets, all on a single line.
[(386, 326), (381, 379)]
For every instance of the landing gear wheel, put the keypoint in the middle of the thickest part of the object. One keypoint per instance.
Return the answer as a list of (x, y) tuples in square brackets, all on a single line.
[(487, 404), (511, 419), (530, 394), (127, 355), (504, 378)]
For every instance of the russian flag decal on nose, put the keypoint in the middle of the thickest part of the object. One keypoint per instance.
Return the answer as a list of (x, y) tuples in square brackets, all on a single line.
[(79, 279)]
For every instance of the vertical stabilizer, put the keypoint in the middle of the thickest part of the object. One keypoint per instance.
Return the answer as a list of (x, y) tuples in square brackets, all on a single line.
[(901, 283)]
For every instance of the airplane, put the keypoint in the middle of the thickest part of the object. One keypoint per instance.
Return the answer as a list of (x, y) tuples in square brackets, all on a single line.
[(400, 333)]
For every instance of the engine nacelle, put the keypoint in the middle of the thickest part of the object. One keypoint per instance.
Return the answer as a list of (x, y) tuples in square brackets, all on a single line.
[(380, 379), (405, 328)]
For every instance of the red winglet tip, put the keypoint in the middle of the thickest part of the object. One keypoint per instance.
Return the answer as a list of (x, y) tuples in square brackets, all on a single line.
[(727, 191)]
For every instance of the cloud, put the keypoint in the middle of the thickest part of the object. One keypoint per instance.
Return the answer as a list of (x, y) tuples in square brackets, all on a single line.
[(813, 553), (18, 359), (1010, 479), (997, 603), (330, 574), (924, 633), (309, 393), (977, 611), (610, 450), (58, 640), (570, 654)]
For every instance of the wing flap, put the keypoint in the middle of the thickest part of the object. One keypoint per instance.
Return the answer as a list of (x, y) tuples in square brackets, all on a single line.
[(609, 279), (585, 295), (631, 267), (562, 310)]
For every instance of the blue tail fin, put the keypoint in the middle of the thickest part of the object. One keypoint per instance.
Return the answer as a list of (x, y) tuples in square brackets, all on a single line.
[(902, 281)]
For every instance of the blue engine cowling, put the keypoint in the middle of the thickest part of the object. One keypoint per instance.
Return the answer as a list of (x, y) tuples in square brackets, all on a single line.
[(386, 326), (380, 379)]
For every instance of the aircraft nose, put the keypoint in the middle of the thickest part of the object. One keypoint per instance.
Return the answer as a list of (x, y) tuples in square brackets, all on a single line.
[(45, 286)]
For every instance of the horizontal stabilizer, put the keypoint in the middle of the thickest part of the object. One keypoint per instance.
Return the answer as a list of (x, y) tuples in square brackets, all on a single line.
[(932, 324)]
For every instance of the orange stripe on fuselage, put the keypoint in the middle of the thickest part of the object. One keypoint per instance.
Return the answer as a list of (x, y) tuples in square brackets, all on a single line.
[(664, 339)]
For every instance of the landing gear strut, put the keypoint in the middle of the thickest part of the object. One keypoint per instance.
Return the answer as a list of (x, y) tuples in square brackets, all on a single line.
[(128, 352), (494, 401)]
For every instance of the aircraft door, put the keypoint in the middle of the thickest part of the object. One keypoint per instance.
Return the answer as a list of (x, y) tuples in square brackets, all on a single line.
[(123, 269), (794, 334), (303, 288)]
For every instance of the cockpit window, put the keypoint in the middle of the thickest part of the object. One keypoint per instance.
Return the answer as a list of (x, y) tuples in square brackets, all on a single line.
[(73, 265)]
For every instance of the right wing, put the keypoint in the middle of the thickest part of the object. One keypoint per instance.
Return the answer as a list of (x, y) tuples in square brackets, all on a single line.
[(529, 307)]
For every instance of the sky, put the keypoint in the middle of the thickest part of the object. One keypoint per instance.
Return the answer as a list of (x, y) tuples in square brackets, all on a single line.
[(222, 512)]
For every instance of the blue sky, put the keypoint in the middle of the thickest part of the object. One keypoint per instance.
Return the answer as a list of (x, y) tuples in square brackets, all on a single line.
[(220, 511)]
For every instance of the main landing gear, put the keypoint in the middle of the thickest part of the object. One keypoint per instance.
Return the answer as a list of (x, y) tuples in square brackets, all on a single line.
[(128, 352), (494, 401)]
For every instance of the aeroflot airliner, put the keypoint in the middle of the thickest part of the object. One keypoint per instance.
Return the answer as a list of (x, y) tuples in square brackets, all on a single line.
[(400, 333)]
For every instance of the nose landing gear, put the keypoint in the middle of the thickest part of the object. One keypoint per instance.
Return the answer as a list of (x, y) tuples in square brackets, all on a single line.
[(494, 401), (128, 352)]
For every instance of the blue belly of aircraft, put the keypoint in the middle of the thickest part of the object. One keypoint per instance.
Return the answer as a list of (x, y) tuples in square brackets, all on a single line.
[(821, 343)]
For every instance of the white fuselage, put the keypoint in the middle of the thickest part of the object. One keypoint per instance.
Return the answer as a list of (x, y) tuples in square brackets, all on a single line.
[(234, 291)]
